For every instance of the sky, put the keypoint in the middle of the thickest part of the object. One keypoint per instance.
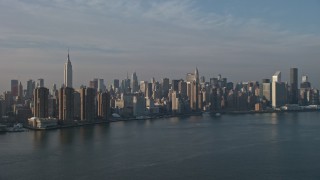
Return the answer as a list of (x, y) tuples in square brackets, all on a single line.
[(245, 40)]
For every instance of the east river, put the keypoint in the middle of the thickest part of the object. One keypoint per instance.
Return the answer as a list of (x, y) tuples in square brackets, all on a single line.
[(252, 146)]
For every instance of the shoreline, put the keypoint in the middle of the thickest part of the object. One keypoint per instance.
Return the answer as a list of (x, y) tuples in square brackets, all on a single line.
[(266, 111), (165, 116)]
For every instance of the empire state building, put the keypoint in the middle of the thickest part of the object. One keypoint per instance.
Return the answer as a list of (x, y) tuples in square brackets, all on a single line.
[(68, 73)]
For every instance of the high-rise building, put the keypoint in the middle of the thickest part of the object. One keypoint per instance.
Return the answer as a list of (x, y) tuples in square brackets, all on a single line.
[(68, 72), (183, 88), (165, 87), (279, 91), (8, 98), (104, 110), (175, 85), (194, 96), (30, 88), (294, 86), (148, 93), (87, 104), (125, 84), (156, 90), (66, 104), (144, 87), (202, 79), (20, 91), (53, 90), (52, 107), (139, 105), (176, 104), (305, 78), (311, 97), (196, 75), (40, 83), (214, 82), (276, 77), (14, 87), (41, 95), (134, 83), (193, 90), (193, 76), (266, 90), (77, 104), (305, 84), (116, 84), (94, 84), (101, 86)]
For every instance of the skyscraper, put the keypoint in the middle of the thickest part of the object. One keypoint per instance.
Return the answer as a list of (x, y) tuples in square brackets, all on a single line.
[(196, 75), (116, 84), (53, 91), (139, 105), (66, 104), (193, 76), (94, 84), (87, 104), (101, 86), (40, 83), (279, 95), (165, 87), (134, 83), (30, 88), (144, 87), (183, 88), (68, 73), (41, 102), (20, 91), (276, 77), (14, 87), (194, 91), (104, 110), (77, 104), (175, 84), (294, 86), (266, 90)]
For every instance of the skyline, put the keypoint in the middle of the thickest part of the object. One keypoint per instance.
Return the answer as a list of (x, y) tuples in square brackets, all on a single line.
[(243, 41)]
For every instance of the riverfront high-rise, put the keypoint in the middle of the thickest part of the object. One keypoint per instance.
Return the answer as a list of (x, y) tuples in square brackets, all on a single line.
[(66, 104), (41, 102), (104, 110), (87, 104), (294, 86), (279, 94), (68, 73), (194, 90)]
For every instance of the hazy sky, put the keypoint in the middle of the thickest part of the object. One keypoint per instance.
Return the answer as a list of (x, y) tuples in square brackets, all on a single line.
[(241, 39)]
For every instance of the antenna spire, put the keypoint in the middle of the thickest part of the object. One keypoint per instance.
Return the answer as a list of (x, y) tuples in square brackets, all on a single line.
[(68, 55)]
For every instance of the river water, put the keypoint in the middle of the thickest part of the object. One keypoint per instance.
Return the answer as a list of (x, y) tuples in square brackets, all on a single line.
[(253, 146)]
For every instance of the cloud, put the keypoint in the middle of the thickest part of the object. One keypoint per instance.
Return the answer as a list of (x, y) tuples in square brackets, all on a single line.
[(118, 35)]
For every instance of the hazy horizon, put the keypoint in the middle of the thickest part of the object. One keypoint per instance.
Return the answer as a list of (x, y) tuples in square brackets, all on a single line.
[(242, 41)]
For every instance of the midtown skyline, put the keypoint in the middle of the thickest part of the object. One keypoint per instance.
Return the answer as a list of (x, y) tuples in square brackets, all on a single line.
[(244, 41), (68, 72)]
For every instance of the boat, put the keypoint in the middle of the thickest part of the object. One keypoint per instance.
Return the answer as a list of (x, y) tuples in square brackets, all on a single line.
[(16, 128), (115, 115)]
